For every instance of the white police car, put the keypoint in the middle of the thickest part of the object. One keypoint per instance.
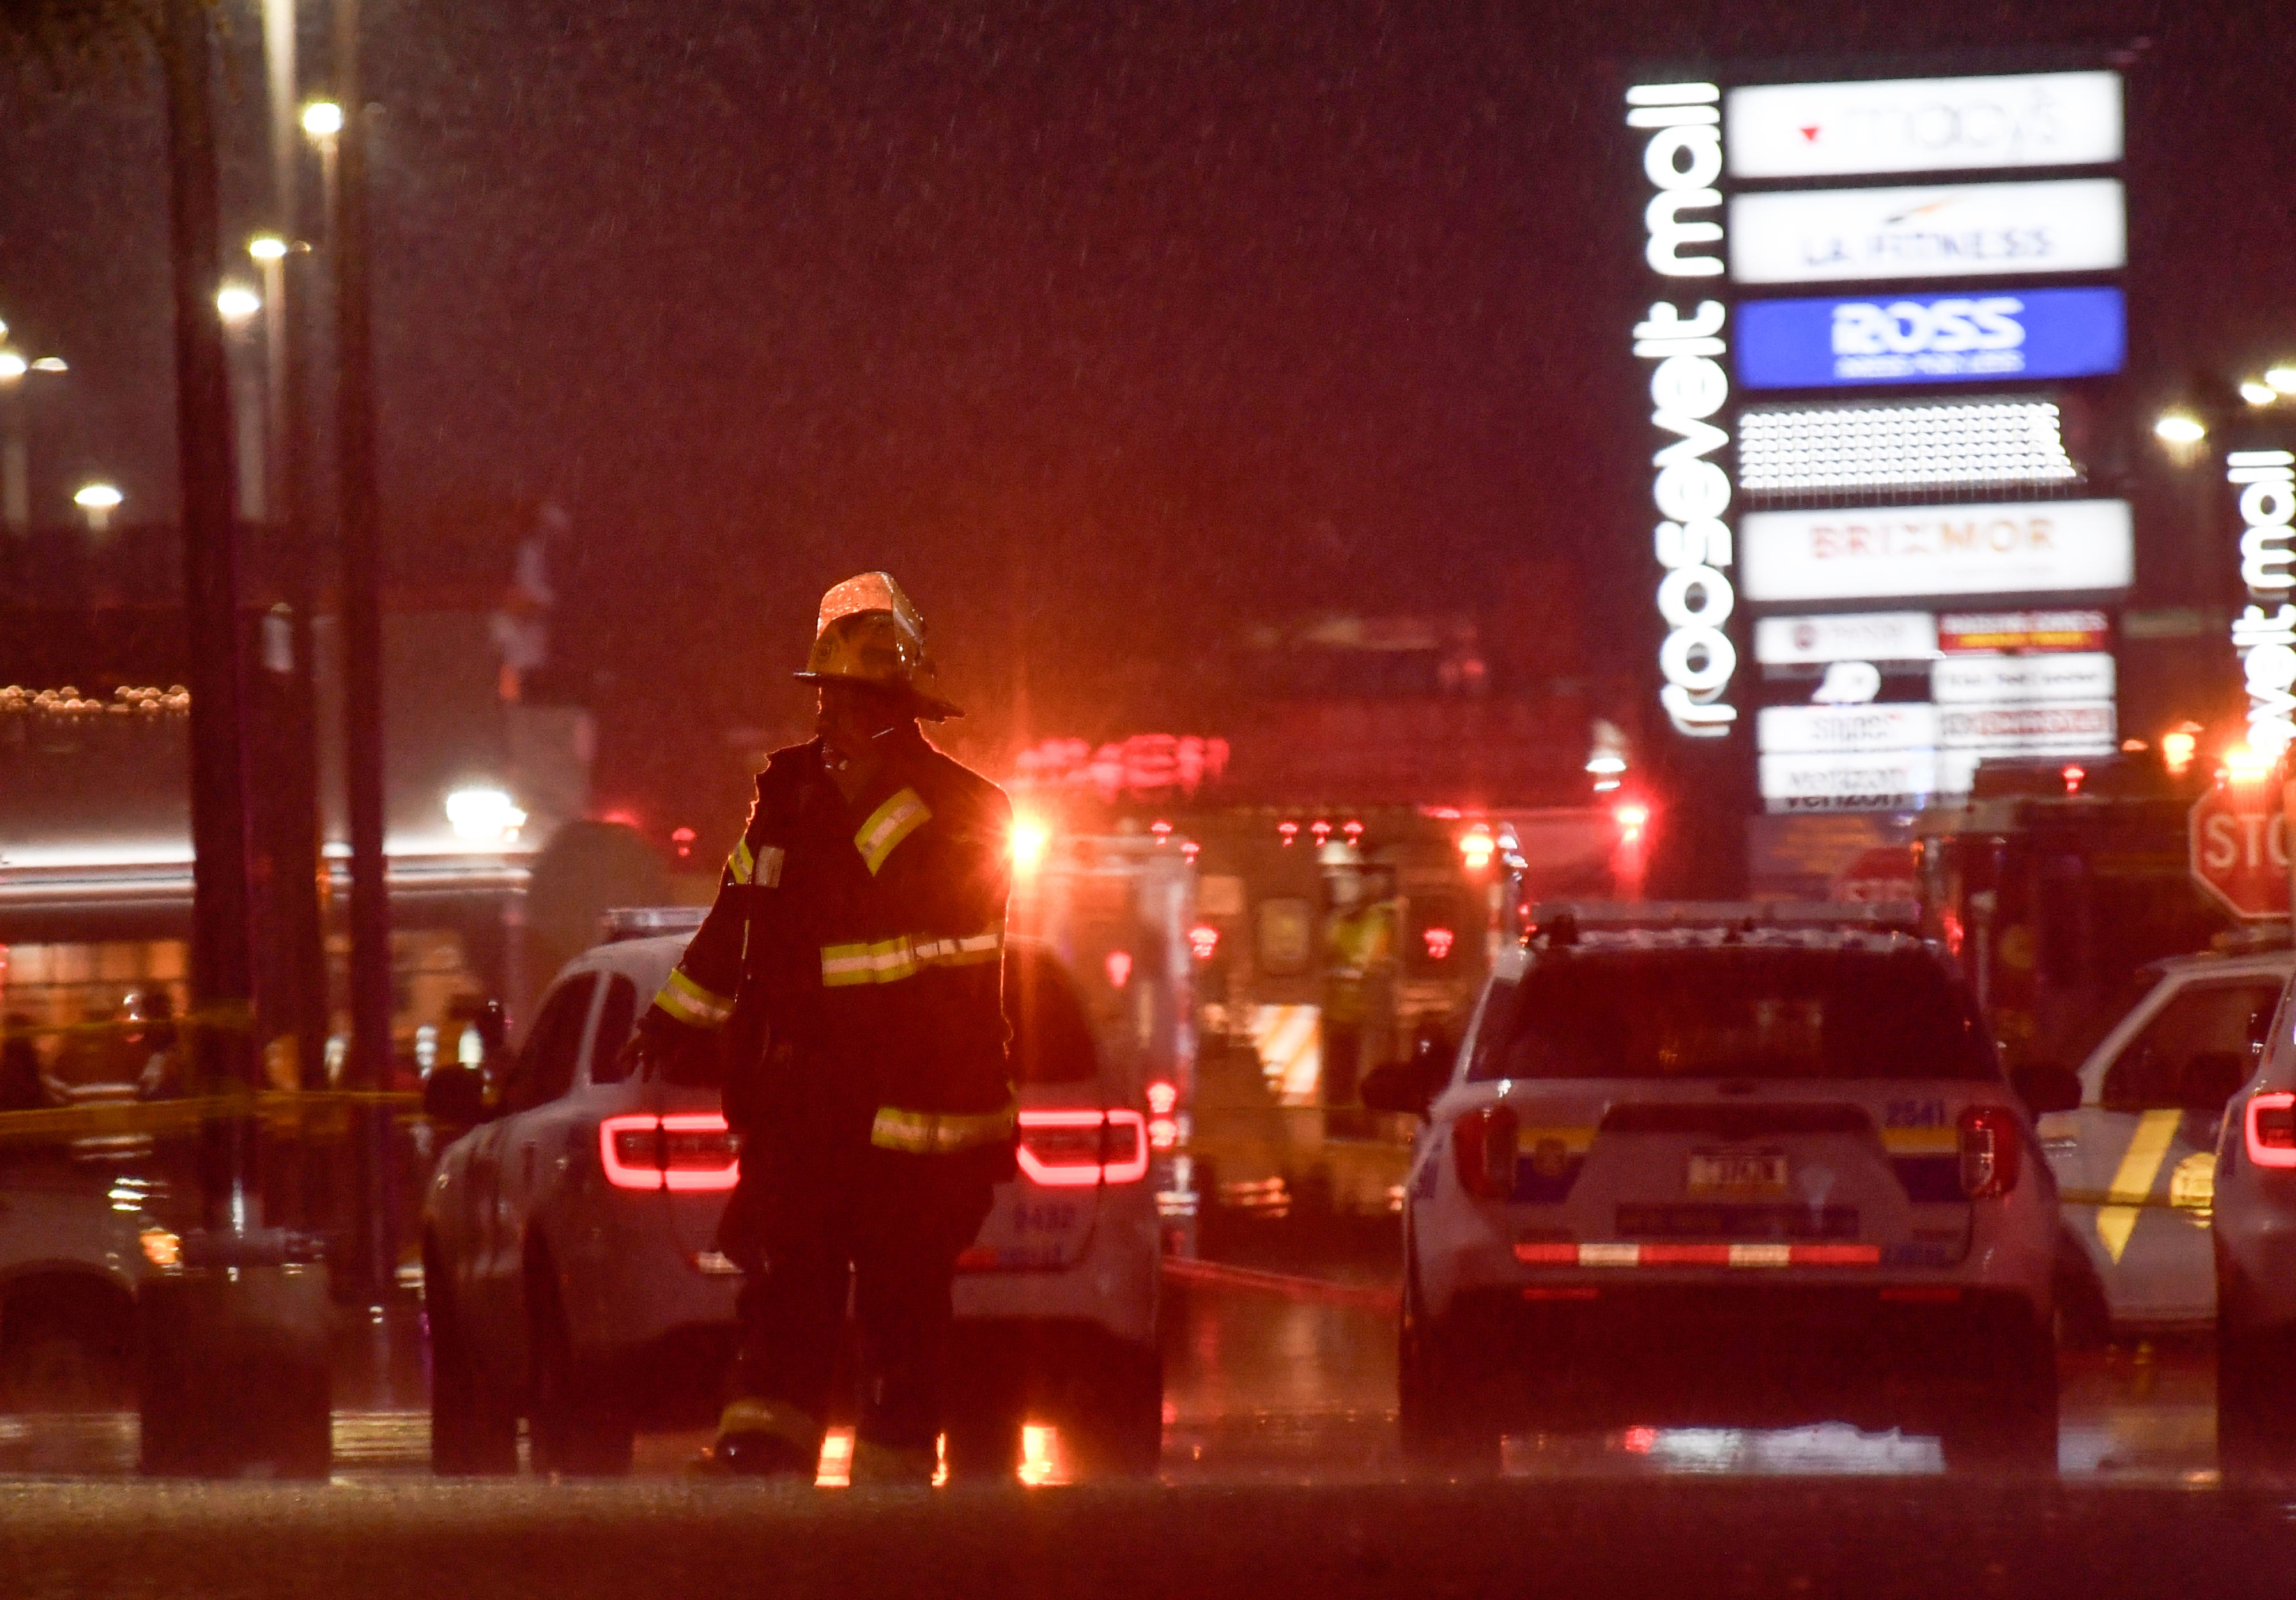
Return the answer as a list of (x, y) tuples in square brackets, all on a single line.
[(570, 1254), (1717, 1163), (2254, 1237), (2136, 1159)]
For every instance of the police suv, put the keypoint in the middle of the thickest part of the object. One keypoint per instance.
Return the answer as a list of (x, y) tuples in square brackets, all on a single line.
[(2137, 1158), (2254, 1237), (1725, 1163), (571, 1264)]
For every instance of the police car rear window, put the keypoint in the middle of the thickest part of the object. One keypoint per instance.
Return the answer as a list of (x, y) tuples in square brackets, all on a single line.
[(1737, 1012)]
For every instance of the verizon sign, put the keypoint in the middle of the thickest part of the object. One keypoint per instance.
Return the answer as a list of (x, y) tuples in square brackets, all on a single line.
[(1907, 552), (1938, 230), (1923, 125), (1847, 783)]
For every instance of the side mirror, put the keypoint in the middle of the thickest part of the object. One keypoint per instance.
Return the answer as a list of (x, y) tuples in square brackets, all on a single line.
[(2046, 1086), (1408, 1087), (456, 1094)]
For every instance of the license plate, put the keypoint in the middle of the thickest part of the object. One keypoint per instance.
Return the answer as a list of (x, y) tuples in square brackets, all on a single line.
[(1737, 1173)]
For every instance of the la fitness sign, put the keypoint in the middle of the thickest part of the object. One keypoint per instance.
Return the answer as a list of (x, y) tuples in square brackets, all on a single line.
[(1689, 386)]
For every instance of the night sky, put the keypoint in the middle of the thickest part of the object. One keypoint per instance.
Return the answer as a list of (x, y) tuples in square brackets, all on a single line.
[(1110, 323)]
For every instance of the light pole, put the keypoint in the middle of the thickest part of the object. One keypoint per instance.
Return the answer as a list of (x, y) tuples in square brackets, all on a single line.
[(270, 252), (15, 436), (237, 305), (99, 501), (323, 122)]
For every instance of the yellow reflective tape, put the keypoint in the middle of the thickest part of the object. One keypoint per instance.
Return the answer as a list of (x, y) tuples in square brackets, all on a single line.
[(690, 1003), (937, 1133), (740, 864), (891, 960), (2132, 1184), (898, 817)]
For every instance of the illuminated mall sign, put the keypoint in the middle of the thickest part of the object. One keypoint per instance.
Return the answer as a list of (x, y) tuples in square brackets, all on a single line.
[(1689, 386), (2264, 635), (1935, 231), (1924, 338), (1903, 445), (1856, 637), (1896, 552), (1924, 125)]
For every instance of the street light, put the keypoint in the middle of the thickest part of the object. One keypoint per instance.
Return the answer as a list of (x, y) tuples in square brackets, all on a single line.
[(15, 446), (236, 303), (2180, 428), (99, 501), (2257, 394), (268, 248), (2282, 378), (323, 119)]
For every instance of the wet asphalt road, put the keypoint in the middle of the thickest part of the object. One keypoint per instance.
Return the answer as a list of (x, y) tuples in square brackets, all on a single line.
[(1282, 1476)]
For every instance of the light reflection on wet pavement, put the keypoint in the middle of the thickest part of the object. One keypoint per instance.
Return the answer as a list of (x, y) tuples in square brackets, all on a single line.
[(1274, 1387)]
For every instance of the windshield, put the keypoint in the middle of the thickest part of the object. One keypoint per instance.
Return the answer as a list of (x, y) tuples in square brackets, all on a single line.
[(1737, 1012)]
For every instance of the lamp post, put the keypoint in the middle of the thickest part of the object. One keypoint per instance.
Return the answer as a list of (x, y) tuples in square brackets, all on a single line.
[(99, 501), (237, 305), (15, 435)]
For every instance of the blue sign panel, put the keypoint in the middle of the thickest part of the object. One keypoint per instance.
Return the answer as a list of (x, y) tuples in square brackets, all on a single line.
[(1931, 338)]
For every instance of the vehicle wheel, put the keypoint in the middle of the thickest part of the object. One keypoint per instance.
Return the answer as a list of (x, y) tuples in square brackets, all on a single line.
[(2084, 1320), (1118, 1429), (473, 1432), (2012, 1427), (1440, 1429), (68, 1350), (983, 1428), (577, 1423), (2256, 1419)]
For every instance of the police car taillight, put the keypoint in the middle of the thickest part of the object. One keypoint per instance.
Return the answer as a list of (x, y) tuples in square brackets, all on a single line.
[(681, 1153), (1484, 1143), (2271, 1126), (1063, 1150), (1988, 1152)]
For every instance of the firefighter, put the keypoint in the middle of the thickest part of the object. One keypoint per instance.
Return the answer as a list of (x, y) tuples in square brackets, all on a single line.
[(849, 975)]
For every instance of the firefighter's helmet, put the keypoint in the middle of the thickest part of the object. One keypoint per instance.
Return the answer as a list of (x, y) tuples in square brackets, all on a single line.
[(870, 632)]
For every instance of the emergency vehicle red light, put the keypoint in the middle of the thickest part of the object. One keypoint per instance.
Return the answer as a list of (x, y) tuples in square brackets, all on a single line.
[(2271, 1126), (1069, 1150), (683, 1153), (1438, 942), (1203, 941)]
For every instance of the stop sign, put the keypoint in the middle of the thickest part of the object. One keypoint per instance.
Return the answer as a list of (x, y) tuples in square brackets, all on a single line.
[(2240, 849)]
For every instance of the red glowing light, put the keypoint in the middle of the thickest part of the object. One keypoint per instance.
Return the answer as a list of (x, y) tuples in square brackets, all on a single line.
[(2074, 776), (1067, 1149), (1289, 830), (1162, 1098), (1322, 830), (1632, 818), (1438, 942), (1118, 966), (1188, 849), (684, 1153), (683, 838), (1638, 1442), (1204, 939), (1163, 1133), (1354, 831)]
